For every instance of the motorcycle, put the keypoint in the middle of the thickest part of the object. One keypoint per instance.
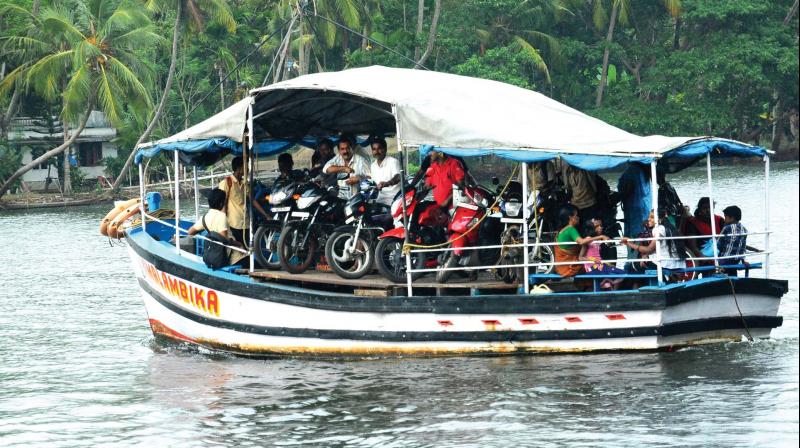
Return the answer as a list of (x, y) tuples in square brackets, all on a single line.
[(279, 202), (350, 249), (426, 224), (510, 211), (314, 215), (464, 233)]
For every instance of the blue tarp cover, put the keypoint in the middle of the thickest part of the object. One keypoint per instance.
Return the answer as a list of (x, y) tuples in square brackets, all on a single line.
[(692, 150)]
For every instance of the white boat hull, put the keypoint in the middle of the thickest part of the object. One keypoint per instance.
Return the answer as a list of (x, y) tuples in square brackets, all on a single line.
[(182, 305)]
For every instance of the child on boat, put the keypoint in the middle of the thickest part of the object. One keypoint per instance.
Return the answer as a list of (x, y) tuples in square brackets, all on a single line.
[(591, 253), (733, 240), (566, 251)]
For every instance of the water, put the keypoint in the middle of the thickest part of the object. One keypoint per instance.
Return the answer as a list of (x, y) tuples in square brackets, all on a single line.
[(79, 367)]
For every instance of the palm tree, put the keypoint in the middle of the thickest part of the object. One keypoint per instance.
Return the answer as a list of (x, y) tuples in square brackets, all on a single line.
[(325, 35), (520, 28), (193, 13), (86, 56)]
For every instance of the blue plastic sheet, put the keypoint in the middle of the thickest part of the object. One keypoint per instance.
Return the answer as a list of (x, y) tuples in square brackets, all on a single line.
[(692, 150)]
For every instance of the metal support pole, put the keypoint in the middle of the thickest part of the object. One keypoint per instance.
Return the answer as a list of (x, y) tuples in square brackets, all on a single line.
[(249, 164), (177, 205), (142, 209), (196, 195), (654, 193), (711, 209), (766, 215), (404, 151), (526, 215)]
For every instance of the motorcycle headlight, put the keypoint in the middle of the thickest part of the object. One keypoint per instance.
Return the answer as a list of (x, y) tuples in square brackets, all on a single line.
[(481, 201), (306, 201), (512, 208), (278, 197)]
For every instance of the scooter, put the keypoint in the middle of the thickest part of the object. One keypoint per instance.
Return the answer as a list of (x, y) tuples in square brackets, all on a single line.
[(350, 249), (426, 224), (465, 231)]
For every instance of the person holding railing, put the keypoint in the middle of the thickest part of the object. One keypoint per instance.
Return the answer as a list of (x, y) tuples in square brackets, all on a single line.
[(215, 220), (673, 251), (566, 251), (733, 239)]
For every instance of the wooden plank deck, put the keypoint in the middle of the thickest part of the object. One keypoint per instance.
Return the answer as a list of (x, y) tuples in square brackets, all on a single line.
[(378, 282)]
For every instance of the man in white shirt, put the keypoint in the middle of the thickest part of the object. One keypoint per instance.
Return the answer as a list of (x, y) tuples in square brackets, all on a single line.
[(385, 171), (355, 165)]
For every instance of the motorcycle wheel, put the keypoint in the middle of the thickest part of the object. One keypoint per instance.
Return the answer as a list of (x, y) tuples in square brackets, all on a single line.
[(295, 259), (350, 266), (265, 241), (391, 262), (543, 255), (450, 261)]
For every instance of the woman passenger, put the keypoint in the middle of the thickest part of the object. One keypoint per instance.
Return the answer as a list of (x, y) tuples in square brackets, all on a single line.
[(567, 252), (673, 252), (700, 225)]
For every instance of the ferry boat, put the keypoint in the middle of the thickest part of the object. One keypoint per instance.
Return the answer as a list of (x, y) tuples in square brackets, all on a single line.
[(316, 314)]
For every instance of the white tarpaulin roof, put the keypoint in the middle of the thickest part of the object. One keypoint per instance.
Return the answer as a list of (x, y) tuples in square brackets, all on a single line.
[(230, 123), (452, 111), (447, 111)]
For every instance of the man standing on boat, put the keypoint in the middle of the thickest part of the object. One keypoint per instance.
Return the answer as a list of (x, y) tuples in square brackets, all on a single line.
[(385, 171), (234, 208), (354, 165), (443, 173)]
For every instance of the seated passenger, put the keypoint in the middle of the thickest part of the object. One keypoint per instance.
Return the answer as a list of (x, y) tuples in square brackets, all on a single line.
[(286, 170), (591, 253), (321, 156), (385, 171), (566, 253), (700, 225), (733, 240), (215, 220), (355, 166), (673, 252)]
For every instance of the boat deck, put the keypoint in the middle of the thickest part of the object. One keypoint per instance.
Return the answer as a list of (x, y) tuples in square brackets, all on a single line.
[(378, 286)]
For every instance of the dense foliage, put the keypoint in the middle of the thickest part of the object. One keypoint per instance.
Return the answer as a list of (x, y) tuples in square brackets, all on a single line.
[(727, 68)]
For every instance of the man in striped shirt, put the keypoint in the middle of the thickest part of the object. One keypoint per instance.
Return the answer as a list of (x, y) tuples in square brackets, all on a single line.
[(733, 238)]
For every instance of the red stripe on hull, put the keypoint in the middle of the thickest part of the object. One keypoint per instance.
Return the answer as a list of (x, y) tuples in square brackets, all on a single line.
[(161, 329)]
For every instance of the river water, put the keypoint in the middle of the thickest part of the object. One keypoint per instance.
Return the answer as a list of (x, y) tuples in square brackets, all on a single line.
[(79, 366)]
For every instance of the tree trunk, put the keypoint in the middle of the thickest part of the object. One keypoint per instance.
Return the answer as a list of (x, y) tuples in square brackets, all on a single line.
[(44, 157), (279, 68), (791, 13), (66, 189), (221, 74), (160, 110), (420, 20), (431, 34), (5, 121), (676, 40), (609, 37)]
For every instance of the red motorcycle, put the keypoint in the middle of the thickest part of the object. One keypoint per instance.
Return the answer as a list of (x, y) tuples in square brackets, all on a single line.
[(426, 224), (466, 232)]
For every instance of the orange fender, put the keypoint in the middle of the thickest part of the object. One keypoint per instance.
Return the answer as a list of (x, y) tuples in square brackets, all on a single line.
[(104, 223), (115, 226)]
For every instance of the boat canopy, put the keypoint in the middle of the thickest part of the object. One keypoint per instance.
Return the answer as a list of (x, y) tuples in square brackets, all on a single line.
[(458, 115)]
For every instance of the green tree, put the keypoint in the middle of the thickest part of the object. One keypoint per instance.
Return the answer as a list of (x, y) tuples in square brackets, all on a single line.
[(193, 13), (87, 55)]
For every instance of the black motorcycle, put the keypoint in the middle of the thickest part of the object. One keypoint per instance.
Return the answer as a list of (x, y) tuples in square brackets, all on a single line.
[(278, 204), (315, 215), (350, 249)]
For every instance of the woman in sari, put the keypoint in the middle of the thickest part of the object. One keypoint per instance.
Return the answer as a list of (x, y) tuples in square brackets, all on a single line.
[(568, 249)]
